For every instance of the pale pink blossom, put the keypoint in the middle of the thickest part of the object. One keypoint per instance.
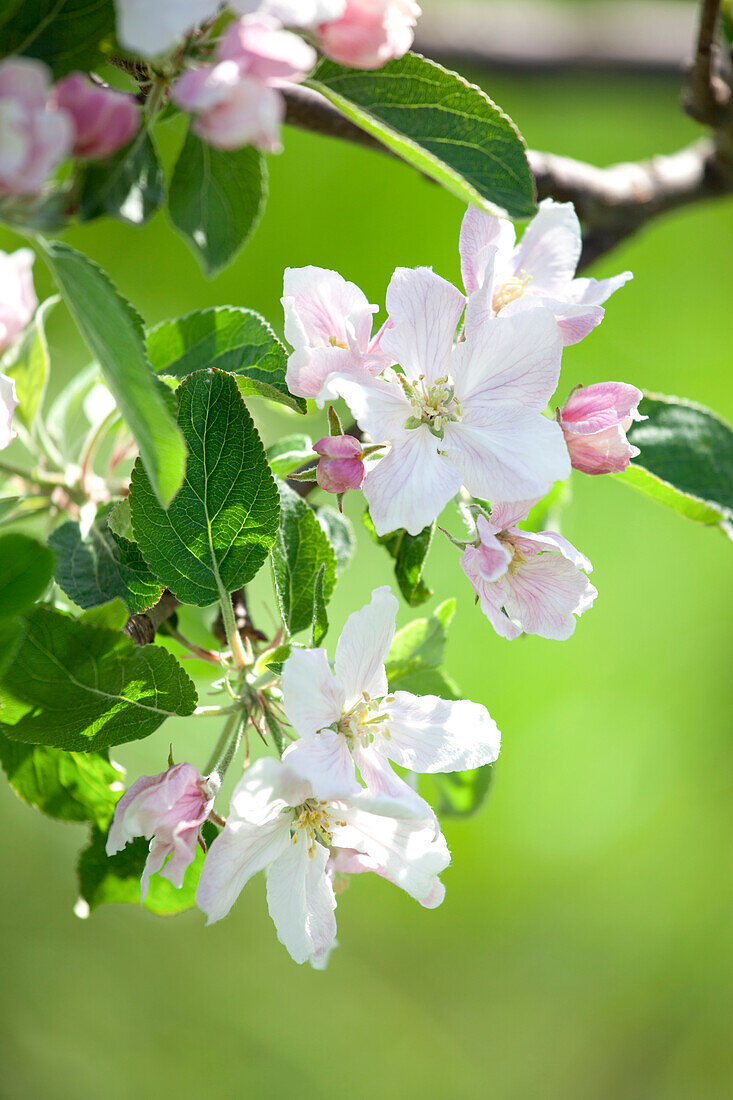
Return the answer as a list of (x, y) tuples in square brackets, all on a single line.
[(527, 583), (465, 414), (18, 299), (348, 718), (341, 466), (104, 119), (328, 322), (35, 136), (152, 27), (501, 278), (169, 810), (595, 420), (8, 405), (292, 13), (370, 32), (266, 52), (277, 823)]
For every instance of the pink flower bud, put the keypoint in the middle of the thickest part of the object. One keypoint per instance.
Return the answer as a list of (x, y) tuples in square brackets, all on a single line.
[(35, 135), (594, 420), (169, 809), (370, 32), (104, 119), (266, 52), (341, 466), (17, 295), (232, 109), (8, 405)]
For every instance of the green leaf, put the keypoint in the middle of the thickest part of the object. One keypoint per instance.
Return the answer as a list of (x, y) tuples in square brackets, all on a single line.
[(102, 566), (420, 645), (289, 453), (441, 125), (69, 786), (68, 419), (457, 794), (300, 551), (119, 520), (129, 185), (686, 459), (8, 505), (82, 688), (216, 199), (113, 331), (26, 569), (217, 532), (238, 341), (112, 615), (66, 34), (319, 622), (28, 364), (409, 553), (340, 534), (107, 879)]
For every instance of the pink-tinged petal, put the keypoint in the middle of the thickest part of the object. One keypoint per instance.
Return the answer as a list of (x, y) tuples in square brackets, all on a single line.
[(292, 13), (549, 250), (574, 321), (544, 595), (509, 359), (322, 309), (490, 594), (380, 408), (325, 762), (369, 32), (267, 52), (504, 515), (157, 856), (251, 115), (185, 843), (241, 850), (104, 119), (312, 697), (605, 452), (480, 306), (595, 291), (424, 310), (411, 486), (338, 475), (311, 371), (338, 446), (8, 405), (301, 900), (479, 233), (381, 780), (209, 86), (531, 543), (492, 557), (25, 79), (429, 734), (347, 861), (603, 405), (506, 452), (363, 647)]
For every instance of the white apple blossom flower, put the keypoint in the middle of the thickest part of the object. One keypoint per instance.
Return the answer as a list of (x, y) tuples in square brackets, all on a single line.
[(151, 28), (540, 271), (276, 823), (469, 414), (348, 718)]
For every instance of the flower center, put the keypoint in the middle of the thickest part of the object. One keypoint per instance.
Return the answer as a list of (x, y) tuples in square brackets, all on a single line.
[(311, 819), (334, 342), (434, 405), (518, 557), (363, 721), (512, 289)]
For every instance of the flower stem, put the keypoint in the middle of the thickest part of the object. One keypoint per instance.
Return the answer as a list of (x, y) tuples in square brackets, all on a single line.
[(226, 747), (233, 637)]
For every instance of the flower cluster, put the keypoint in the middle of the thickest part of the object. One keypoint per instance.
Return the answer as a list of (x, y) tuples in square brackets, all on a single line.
[(455, 385), (333, 804)]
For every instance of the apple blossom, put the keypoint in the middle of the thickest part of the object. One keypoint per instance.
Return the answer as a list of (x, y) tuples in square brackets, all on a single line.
[(526, 582), (328, 322), (104, 119), (276, 822), (341, 466), (370, 32), (505, 279), (35, 136), (293, 13), (266, 52), (347, 718), (469, 414), (594, 420), (169, 809), (153, 28), (8, 405), (18, 299)]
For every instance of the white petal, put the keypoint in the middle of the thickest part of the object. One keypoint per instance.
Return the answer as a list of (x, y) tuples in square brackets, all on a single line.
[(411, 486), (596, 291), (8, 405), (325, 762), (380, 408), (153, 28), (550, 247), (311, 696), (363, 647), (479, 232), (380, 780), (480, 306), (301, 900), (551, 540), (506, 515), (240, 850), (574, 321), (429, 734), (263, 792), (322, 307), (509, 359), (424, 311)]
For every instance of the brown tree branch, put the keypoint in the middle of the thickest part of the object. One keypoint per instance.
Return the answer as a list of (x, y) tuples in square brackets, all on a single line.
[(706, 96)]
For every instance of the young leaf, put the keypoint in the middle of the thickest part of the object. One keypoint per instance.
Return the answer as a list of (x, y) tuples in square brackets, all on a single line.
[(69, 786), (113, 331), (217, 532), (28, 364), (319, 623), (301, 550), (457, 794), (26, 569), (102, 566), (82, 688), (289, 453), (340, 534), (420, 645), (64, 33), (129, 185), (409, 553), (440, 124), (686, 459), (238, 341), (216, 199)]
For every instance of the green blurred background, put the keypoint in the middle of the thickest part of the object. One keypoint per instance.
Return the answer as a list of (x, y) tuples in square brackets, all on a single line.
[(583, 947)]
